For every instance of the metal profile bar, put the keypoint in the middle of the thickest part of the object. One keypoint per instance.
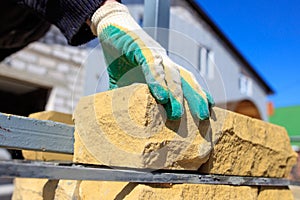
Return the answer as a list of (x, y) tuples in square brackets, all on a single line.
[(18, 132), (157, 15), (79, 172)]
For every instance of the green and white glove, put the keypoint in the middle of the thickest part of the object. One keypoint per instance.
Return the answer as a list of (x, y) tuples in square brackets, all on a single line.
[(127, 47)]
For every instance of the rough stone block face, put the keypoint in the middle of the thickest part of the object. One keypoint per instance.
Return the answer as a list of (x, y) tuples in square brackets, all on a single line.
[(104, 190), (67, 190), (250, 147), (192, 192), (53, 116), (86, 190), (35, 189), (134, 191), (267, 193), (126, 127)]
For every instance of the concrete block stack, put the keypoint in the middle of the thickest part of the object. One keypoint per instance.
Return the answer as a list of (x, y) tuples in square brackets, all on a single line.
[(127, 128)]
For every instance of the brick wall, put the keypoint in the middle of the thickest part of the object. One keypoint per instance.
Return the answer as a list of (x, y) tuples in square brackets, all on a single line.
[(52, 63)]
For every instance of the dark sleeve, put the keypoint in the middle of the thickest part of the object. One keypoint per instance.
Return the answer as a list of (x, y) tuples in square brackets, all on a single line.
[(17, 32), (68, 15)]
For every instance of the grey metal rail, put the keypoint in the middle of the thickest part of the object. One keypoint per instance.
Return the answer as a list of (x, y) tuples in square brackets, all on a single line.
[(40, 135), (82, 172)]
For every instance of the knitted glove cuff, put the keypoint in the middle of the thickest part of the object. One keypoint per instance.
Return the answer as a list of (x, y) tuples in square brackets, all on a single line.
[(109, 9)]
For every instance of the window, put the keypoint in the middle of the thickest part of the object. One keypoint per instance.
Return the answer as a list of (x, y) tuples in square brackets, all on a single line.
[(203, 60), (206, 63), (246, 85), (210, 64)]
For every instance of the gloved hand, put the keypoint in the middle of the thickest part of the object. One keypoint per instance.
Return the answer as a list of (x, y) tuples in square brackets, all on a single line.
[(126, 47)]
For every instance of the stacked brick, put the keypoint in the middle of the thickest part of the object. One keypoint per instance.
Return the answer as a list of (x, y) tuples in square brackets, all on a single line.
[(53, 64), (127, 128)]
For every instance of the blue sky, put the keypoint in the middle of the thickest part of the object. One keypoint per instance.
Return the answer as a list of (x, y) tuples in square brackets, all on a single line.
[(267, 33)]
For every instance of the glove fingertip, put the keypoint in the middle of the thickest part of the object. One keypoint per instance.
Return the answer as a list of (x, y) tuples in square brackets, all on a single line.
[(203, 112), (113, 86), (174, 109), (210, 99), (199, 108), (159, 93)]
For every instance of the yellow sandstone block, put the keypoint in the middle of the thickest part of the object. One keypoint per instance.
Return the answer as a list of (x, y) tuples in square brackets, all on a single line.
[(53, 116), (269, 193), (192, 192), (102, 190), (133, 191), (87, 190), (251, 147), (67, 190), (35, 189), (126, 127)]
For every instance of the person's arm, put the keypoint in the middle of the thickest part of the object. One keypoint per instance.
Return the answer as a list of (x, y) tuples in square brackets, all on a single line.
[(70, 16)]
